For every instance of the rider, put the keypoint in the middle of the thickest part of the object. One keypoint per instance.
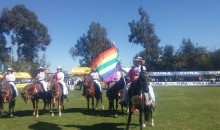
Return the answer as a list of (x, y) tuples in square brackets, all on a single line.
[(40, 78), (59, 77), (95, 77), (10, 78), (133, 74)]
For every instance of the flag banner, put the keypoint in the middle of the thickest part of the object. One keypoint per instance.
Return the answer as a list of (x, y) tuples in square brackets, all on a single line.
[(107, 64)]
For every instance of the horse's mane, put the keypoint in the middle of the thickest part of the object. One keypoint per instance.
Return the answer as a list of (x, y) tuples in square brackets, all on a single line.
[(31, 87)]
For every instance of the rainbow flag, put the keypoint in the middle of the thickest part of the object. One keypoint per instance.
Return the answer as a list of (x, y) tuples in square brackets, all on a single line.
[(107, 64)]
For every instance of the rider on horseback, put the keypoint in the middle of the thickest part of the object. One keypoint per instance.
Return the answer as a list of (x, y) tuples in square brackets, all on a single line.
[(133, 75), (40, 78), (59, 77), (9, 77), (95, 77)]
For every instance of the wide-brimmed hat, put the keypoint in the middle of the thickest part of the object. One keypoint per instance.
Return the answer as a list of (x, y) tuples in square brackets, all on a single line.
[(9, 69), (59, 67), (40, 68), (138, 58)]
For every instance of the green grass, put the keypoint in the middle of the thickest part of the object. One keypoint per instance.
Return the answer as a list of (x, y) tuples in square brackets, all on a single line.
[(178, 108)]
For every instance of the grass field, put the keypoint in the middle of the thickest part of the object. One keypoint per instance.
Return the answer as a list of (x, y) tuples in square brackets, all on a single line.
[(178, 108)]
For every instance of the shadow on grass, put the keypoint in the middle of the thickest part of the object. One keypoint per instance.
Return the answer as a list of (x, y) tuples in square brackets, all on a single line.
[(23, 113), (90, 112), (100, 126), (44, 126)]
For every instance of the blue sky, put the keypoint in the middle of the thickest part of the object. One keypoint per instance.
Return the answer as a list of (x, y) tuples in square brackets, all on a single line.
[(173, 20)]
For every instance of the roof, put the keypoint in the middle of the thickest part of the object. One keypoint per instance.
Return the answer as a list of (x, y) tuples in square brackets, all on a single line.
[(24, 75), (79, 71)]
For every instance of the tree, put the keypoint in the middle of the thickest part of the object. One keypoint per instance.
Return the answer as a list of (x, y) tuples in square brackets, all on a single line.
[(142, 32), (26, 32), (89, 46), (167, 58), (215, 58)]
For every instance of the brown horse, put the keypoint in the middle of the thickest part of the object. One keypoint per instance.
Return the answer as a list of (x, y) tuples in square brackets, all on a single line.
[(57, 95), (7, 96), (34, 92), (138, 99), (90, 92)]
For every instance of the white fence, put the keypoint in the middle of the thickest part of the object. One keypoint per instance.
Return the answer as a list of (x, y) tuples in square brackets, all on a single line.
[(195, 83)]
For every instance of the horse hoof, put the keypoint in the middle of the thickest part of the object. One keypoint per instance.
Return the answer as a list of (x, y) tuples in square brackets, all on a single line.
[(152, 124), (37, 116), (11, 115), (103, 107), (52, 114), (116, 115), (144, 125)]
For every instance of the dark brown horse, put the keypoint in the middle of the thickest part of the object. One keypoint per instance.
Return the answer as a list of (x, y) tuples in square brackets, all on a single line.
[(138, 99), (34, 92), (57, 95), (91, 92), (6, 95), (114, 94)]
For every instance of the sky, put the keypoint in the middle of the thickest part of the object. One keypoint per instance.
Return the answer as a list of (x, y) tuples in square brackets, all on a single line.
[(174, 20)]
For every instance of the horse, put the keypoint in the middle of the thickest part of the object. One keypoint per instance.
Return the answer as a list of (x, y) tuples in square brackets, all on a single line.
[(7, 95), (34, 92), (138, 99), (91, 92), (56, 95), (114, 94)]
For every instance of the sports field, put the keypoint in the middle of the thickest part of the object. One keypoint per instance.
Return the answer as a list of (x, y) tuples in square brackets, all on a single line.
[(178, 108)]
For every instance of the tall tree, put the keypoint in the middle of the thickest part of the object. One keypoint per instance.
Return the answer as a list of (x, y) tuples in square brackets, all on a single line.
[(4, 55), (26, 32), (167, 58), (89, 46), (142, 32), (186, 54)]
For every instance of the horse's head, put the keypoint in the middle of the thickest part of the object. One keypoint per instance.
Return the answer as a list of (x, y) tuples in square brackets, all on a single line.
[(144, 80), (5, 90), (29, 91), (87, 81), (54, 88), (25, 96)]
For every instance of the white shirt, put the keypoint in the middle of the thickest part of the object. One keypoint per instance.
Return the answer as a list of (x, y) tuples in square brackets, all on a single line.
[(10, 77), (60, 77), (94, 76), (137, 69), (40, 76)]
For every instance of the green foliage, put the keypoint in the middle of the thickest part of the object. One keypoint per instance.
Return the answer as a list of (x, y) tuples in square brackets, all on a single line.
[(142, 32), (89, 46), (26, 32), (177, 108)]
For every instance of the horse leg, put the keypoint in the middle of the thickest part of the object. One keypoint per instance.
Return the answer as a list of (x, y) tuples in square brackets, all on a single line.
[(140, 118), (45, 103), (129, 115), (10, 106), (87, 102), (33, 104), (37, 110), (101, 103), (93, 108), (53, 105), (151, 115), (116, 105), (59, 106)]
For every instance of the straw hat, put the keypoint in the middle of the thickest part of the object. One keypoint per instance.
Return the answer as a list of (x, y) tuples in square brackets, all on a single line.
[(9, 69)]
